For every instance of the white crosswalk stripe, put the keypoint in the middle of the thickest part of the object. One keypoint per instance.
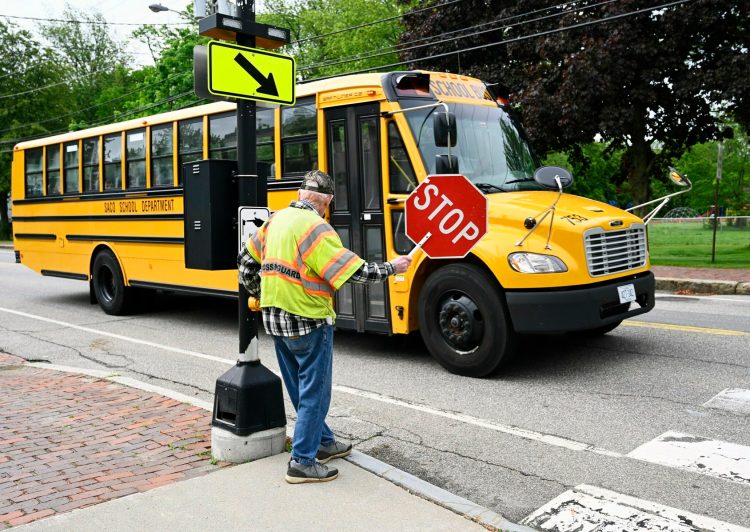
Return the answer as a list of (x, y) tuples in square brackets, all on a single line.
[(734, 400), (700, 455), (589, 508)]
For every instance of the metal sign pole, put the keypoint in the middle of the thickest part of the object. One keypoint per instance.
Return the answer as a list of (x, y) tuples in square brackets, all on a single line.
[(248, 196), (249, 419)]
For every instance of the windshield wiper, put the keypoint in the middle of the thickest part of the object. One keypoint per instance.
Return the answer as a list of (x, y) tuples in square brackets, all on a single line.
[(488, 187), (523, 180)]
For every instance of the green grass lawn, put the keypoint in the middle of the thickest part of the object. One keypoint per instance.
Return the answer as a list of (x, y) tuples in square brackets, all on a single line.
[(689, 244)]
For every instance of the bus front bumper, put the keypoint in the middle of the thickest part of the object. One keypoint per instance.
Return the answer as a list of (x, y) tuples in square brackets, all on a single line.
[(580, 308)]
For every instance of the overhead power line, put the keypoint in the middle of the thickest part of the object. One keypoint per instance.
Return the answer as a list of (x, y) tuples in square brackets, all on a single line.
[(413, 61), (395, 47), (78, 111), (374, 22), (43, 87), (516, 39), (464, 36), (93, 22), (105, 121)]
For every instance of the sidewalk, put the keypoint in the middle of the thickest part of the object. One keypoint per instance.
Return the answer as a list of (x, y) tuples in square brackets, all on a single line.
[(83, 451), (702, 280)]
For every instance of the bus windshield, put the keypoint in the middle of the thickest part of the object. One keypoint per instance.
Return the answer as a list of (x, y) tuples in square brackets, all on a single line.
[(492, 149)]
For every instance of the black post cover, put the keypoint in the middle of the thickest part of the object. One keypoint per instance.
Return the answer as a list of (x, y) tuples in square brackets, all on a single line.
[(248, 399)]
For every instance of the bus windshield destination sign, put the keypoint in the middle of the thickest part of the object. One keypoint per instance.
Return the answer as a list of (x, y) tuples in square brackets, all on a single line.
[(250, 74)]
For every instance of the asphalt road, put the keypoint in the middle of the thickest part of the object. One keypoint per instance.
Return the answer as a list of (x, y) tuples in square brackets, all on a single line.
[(569, 411)]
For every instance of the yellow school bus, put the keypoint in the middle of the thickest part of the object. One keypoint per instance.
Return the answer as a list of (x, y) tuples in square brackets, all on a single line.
[(105, 205)]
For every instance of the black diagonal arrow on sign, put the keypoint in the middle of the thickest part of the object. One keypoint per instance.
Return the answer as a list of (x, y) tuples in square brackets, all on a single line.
[(267, 84)]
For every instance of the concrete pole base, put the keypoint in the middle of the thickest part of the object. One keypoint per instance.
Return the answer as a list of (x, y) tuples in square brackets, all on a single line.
[(229, 447)]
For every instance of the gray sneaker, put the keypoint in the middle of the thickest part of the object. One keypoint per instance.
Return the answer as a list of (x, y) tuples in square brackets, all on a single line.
[(298, 473), (335, 450)]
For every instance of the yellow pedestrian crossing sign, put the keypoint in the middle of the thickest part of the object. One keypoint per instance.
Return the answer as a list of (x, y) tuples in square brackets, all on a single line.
[(250, 74)]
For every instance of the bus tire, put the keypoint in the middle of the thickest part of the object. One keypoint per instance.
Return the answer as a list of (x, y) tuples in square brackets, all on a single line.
[(109, 286), (463, 320)]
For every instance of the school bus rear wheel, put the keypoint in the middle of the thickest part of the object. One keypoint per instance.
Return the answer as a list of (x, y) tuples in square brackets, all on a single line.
[(463, 321), (109, 285)]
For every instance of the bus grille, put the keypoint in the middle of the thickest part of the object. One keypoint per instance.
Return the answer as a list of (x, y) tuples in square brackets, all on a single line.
[(609, 252)]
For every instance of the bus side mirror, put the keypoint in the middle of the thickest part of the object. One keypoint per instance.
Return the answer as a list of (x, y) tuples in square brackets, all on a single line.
[(679, 179), (446, 164), (444, 127), (553, 177)]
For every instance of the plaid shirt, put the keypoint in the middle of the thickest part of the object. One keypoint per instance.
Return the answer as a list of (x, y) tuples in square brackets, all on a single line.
[(279, 322)]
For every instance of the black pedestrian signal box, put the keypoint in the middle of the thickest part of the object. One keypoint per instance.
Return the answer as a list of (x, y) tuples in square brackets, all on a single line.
[(210, 203)]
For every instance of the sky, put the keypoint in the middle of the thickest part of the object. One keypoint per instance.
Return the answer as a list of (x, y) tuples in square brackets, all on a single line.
[(130, 11)]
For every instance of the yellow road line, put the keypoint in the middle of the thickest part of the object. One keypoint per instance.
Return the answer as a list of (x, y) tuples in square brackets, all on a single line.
[(685, 328)]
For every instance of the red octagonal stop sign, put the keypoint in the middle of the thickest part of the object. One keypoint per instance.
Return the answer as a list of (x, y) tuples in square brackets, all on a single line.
[(452, 210)]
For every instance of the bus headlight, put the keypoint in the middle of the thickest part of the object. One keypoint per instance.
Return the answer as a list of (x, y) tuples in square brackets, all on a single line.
[(536, 263)]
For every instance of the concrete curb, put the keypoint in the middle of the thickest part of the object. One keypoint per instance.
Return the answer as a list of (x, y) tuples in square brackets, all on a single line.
[(412, 484), (439, 496), (703, 286)]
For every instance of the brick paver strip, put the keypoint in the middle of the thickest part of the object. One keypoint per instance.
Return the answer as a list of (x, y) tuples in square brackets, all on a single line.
[(69, 441)]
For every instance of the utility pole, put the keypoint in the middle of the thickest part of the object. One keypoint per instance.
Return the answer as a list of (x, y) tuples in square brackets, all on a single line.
[(727, 133)]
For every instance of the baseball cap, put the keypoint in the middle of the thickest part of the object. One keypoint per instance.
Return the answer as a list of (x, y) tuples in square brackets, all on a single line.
[(317, 181)]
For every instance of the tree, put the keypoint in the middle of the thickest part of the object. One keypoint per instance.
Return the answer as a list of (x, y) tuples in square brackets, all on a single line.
[(28, 74), (660, 78), (699, 164), (323, 44), (598, 164), (169, 83), (96, 66)]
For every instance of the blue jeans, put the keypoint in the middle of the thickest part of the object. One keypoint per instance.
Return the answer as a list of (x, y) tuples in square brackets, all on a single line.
[(306, 364)]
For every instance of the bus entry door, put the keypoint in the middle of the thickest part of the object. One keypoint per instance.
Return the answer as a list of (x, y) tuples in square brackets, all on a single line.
[(353, 149)]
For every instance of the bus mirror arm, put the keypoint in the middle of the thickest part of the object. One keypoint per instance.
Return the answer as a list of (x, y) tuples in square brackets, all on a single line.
[(677, 178), (389, 114), (531, 223)]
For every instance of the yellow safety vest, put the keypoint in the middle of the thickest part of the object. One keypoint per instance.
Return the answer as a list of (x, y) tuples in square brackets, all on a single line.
[(303, 263)]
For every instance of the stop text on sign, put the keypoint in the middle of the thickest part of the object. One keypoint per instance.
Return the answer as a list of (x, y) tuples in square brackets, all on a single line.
[(451, 210), (452, 221)]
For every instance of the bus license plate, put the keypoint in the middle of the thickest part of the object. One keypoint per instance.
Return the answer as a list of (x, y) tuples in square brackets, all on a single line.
[(627, 293)]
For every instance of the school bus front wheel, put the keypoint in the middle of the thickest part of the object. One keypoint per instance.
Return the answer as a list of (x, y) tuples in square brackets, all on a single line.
[(463, 320)]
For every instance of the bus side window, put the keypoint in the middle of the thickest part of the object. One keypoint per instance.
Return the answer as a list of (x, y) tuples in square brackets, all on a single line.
[(264, 129), (135, 149), (367, 129), (53, 169), (71, 161), (222, 136), (337, 162), (299, 139), (401, 243), (161, 155), (112, 162), (190, 140), (91, 165), (34, 179), (401, 173)]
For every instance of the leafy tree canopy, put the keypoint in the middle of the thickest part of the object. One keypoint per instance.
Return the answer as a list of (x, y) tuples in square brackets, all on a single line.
[(320, 46), (653, 79)]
